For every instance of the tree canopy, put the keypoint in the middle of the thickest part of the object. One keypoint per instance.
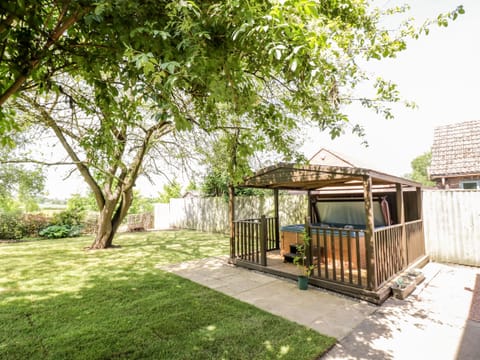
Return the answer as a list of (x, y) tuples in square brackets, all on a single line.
[(115, 81), (20, 187), (420, 167), (172, 190)]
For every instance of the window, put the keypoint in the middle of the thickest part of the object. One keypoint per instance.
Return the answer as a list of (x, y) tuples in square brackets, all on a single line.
[(470, 185)]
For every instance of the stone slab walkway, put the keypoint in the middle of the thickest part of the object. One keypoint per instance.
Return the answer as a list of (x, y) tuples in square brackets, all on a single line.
[(432, 323), (325, 312), (437, 321)]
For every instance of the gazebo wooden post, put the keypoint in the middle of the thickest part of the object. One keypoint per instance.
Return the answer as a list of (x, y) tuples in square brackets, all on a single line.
[(309, 199), (419, 203), (308, 229), (231, 218), (401, 220), (277, 219), (369, 233), (262, 239), (308, 245), (420, 217)]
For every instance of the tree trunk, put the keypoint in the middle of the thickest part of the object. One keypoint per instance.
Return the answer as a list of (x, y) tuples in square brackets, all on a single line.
[(110, 219), (105, 233)]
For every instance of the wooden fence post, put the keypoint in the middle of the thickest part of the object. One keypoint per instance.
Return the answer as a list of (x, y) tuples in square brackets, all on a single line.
[(231, 218), (277, 219), (263, 241)]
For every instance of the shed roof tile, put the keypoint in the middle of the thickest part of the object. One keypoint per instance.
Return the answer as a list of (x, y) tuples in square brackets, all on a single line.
[(456, 149)]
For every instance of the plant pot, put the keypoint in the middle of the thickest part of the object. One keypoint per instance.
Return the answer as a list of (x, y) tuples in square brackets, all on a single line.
[(416, 276), (303, 282), (402, 292)]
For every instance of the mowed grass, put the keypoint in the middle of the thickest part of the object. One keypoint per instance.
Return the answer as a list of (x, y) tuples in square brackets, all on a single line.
[(59, 301)]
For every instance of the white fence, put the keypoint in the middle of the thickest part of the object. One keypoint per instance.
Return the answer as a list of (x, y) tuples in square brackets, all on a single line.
[(452, 225), (211, 214), (451, 219)]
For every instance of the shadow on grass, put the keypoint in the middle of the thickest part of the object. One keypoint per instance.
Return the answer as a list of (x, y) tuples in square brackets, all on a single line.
[(153, 315), (59, 301)]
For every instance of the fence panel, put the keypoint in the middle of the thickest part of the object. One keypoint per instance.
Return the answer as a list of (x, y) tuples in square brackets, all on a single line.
[(211, 214), (451, 220), (452, 225)]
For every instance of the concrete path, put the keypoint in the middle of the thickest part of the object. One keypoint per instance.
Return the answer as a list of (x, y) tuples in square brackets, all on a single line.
[(435, 322), (327, 313), (432, 323)]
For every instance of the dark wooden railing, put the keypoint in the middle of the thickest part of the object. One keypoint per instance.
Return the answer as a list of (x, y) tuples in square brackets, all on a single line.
[(392, 254), (388, 253), (254, 237), (415, 240), (271, 224), (339, 255)]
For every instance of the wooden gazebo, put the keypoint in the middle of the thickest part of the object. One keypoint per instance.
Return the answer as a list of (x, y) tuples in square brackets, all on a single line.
[(357, 260)]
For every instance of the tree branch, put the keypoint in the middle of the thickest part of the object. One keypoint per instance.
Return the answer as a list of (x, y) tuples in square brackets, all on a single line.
[(50, 122), (60, 28)]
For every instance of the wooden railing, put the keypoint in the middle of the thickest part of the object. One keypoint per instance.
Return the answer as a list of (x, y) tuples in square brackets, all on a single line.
[(253, 238), (415, 240), (273, 242), (339, 255), (388, 253)]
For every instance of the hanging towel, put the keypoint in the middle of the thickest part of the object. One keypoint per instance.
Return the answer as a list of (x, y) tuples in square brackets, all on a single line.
[(386, 211)]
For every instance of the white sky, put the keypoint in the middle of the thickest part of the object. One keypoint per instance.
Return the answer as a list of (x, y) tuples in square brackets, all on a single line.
[(439, 72)]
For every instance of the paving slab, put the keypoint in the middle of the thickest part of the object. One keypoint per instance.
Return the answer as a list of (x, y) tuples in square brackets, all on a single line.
[(432, 323), (328, 313), (439, 320)]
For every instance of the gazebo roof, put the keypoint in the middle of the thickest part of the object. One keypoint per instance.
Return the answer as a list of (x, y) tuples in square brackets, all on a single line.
[(290, 176)]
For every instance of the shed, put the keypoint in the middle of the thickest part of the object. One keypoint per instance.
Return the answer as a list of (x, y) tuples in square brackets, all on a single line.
[(456, 156)]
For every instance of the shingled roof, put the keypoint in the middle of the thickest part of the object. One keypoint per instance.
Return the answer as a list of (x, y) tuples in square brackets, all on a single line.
[(456, 150)]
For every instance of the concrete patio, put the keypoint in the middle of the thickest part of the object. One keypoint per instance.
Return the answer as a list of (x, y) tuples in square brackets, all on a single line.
[(439, 320)]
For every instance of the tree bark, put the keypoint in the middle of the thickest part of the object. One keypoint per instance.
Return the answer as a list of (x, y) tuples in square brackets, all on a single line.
[(110, 219)]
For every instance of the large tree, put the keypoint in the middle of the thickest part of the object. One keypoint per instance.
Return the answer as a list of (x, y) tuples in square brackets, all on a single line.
[(113, 80)]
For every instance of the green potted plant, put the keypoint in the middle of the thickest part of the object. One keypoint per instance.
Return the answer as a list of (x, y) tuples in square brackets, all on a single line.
[(301, 261)]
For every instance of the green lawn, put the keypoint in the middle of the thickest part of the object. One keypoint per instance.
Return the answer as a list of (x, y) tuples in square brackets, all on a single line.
[(58, 301)]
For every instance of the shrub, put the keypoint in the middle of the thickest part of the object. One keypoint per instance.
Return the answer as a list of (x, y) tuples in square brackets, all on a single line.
[(60, 231), (12, 226), (69, 217), (34, 223)]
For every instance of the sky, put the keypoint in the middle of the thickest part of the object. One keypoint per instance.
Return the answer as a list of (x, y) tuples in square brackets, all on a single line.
[(439, 72)]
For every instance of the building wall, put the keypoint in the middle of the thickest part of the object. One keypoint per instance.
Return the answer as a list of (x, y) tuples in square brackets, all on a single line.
[(454, 182)]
